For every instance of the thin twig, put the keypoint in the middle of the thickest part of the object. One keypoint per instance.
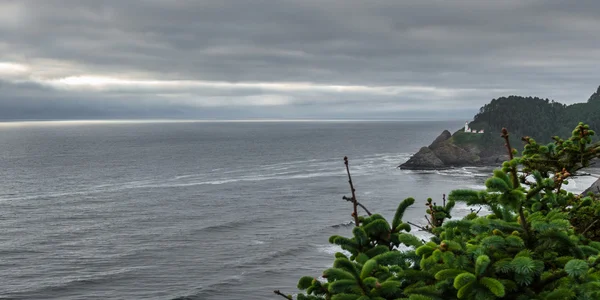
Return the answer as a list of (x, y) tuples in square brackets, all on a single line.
[(427, 218), (444, 200), (507, 144), (359, 204), (283, 295), (476, 212), (582, 174), (589, 227), (354, 202), (513, 170), (420, 227)]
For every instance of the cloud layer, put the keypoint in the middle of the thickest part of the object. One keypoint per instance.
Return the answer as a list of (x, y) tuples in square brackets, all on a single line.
[(290, 58)]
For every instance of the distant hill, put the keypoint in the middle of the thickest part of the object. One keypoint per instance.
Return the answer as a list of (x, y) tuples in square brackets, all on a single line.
[(522, 116), (535, 117)]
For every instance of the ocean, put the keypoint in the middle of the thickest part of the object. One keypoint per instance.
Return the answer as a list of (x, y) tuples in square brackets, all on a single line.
[(198, 210)]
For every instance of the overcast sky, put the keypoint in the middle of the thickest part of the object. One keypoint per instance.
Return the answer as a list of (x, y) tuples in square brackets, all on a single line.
[(290, 58)]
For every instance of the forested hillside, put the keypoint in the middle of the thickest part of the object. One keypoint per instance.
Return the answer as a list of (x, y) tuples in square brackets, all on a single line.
[(535, 117)]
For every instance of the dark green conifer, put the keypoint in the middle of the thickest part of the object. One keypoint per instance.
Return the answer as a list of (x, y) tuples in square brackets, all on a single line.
[(538, 242)]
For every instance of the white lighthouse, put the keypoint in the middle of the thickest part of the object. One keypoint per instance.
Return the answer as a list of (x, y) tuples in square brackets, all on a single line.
[(469, 130)]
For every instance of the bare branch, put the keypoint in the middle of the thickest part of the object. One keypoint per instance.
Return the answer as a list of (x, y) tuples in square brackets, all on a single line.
[(428, 221), (354, 202), (589, 227), (420, 227), (277, 292), (358, 203)]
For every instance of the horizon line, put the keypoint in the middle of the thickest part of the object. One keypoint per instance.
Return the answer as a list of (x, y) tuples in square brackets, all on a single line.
[(167, 120)]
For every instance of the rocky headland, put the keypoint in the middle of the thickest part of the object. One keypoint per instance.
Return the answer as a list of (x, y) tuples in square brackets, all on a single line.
[(458, 150), (445, 153)]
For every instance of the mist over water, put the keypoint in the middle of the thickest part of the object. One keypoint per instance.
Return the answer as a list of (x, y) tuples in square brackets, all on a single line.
[(198, 210)]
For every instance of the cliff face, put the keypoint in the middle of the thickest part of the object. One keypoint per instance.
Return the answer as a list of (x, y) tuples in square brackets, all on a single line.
[(445, 153), (425, 159)]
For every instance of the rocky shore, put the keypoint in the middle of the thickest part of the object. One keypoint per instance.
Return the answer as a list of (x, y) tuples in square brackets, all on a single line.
[(445, 153)]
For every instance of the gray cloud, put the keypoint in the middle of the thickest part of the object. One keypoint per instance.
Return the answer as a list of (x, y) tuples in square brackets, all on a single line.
[(284, 58)]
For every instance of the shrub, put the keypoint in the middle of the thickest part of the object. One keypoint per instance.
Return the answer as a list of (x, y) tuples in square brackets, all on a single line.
[(538, 242)]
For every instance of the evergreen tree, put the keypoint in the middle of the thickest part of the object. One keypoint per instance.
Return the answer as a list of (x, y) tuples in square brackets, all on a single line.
[(533, 116), (539, 242)]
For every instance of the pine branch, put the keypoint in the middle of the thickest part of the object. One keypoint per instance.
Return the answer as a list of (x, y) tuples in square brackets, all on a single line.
[(524, 223), (552, 278), (590, 226), (277, 292), (354, 202), (431, 213), (532, 192), (515, 181), (359, 204), (513, 170)]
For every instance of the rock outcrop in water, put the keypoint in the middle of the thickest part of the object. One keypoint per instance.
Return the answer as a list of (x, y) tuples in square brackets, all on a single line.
[(425, 159), (444, 152)]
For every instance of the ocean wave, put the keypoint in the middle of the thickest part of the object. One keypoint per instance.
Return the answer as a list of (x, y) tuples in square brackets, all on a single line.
[(265, 257), (18, 251), (476, 187), (229, 225), (70, 282), (332, 249), (42, 196), (344, 224), (282, 253), (306, 175), (454, 172)]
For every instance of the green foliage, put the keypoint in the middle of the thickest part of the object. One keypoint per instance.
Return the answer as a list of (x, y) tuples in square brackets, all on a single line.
[(400, 211), (463, 138), (539, 242), (576, 267), (530, 116)]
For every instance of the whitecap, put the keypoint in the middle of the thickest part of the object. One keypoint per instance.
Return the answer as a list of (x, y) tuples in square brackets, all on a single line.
[(477, 187), (332, 249)]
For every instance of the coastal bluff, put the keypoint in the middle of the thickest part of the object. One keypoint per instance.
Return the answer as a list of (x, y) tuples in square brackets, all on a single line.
[(448, 151)]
